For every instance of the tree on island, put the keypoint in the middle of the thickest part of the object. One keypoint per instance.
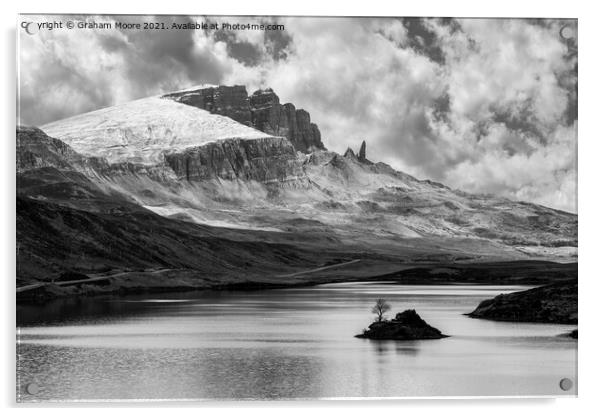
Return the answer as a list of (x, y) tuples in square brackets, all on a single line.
[(380, 308)]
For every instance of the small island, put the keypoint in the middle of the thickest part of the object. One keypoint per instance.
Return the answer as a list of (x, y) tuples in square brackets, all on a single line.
[(406, 326)]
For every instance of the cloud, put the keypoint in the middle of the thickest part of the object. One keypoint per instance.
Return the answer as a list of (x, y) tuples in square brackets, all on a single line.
[(484, 105), (510, 93), (63, 73)]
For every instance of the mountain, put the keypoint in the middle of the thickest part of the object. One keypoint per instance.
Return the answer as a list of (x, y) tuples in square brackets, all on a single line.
[(220, 187), (72, 222)]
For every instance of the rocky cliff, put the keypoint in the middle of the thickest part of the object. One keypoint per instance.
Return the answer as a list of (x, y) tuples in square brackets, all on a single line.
[(229, 101), (362, 153), (271, 117), (270, 159), (36, 150), (262, 110)]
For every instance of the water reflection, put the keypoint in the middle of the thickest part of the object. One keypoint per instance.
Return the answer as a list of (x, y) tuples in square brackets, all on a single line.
[(410, 348), (282, 344)]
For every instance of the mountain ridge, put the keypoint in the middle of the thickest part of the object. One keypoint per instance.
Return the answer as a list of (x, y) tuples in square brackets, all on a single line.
[(182, 167), (272, 174)]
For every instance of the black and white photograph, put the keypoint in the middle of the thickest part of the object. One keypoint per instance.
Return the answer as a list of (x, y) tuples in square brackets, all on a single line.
[(234, 208)]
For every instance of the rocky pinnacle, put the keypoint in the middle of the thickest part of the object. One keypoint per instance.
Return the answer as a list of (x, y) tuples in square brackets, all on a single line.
[(362, 154)]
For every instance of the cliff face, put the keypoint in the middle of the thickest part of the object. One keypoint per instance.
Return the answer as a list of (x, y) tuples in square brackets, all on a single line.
[(271, 159), (271, 117), (262, 110), (36, 150), (229, 101)]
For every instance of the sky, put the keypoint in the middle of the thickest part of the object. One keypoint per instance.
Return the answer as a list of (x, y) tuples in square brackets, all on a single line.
[(482, 105)]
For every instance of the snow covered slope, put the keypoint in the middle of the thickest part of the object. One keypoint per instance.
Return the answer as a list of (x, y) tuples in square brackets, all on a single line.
[(142, 131)]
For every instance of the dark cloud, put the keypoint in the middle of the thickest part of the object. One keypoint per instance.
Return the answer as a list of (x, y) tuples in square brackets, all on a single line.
[(571, 113), (520, 120), (441, 106), (452, 23), (155, 54), (277, 42), (245, 52), (424, 40), (274, 44), (113, 44)]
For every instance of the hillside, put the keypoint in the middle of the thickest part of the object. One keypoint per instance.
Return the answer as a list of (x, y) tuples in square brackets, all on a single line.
[(165, 176)]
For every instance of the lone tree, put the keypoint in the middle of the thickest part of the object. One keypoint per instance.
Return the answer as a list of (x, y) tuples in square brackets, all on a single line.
[(380, 308)]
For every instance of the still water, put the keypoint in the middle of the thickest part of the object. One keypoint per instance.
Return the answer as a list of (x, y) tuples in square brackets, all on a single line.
[(284, 343)]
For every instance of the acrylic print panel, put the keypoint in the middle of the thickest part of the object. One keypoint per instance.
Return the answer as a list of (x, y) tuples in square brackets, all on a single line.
[(295, 207)]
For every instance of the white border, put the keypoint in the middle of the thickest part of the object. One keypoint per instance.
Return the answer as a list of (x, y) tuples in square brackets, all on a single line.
[(590, 199)]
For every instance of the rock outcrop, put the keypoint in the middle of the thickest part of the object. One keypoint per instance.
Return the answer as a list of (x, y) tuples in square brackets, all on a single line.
[(406, 326), (36, 150), (362, 154), (555, 303), (262, 110), (229, 101), (271, 159), (271, 117), (349, 153)]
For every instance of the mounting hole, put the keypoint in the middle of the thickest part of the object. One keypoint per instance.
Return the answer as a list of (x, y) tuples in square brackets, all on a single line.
[(567, 32), (32, 388), (566, 384)]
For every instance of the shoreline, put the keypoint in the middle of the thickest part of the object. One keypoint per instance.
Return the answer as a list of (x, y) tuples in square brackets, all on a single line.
[(533, 273)]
